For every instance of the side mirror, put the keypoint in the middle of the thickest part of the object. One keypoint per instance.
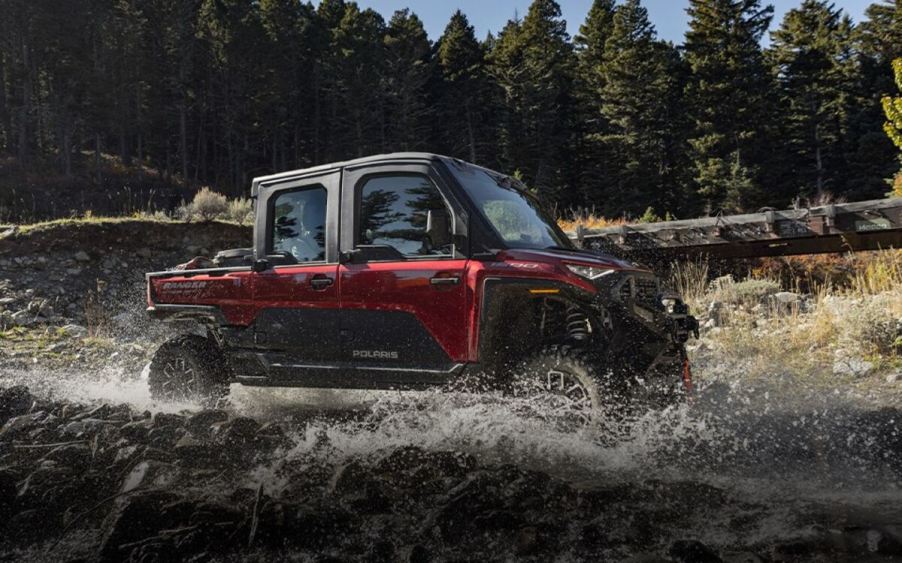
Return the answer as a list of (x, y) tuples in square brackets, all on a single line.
[(438, 227), (260, 266)]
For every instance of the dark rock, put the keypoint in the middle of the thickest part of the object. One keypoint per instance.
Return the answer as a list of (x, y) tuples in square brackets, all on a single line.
[(527, 542), (239, 432), (72, 455), (413, 465), (101, 412), (133, 518), (163, 420), (415, 554), (368, 498), (136, 431), (201, 422), (43, 483), (7, 494), (382, 551), (164, 437), (743, 557), (85, 428), (20, 424), (306, 527), (195, 453), (215, 513), (347, 477), (14, 401), (32, 525), (692, 551)]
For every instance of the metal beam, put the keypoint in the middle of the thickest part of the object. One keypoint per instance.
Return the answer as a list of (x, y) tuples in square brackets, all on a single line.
[(846, 227)]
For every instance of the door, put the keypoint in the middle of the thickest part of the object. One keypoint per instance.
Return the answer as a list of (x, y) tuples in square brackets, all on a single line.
[(297, 296), (403, 282)]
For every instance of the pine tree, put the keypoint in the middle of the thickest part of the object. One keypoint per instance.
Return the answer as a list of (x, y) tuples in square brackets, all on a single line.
[(405, 82), (816, 73), (462, 93), (727, 92), (640, 83), (595, 163), (357, 100), (534, 64)]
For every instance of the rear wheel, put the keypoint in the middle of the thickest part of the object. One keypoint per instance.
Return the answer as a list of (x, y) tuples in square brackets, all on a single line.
[(188, 368)]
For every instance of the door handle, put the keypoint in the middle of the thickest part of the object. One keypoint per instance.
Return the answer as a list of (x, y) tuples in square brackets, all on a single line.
[(321, 282), (438, 280)]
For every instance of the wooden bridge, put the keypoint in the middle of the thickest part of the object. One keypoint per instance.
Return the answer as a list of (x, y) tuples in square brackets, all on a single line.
[(845, 227)]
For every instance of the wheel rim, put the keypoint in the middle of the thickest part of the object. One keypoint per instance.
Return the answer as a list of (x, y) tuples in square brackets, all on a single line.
[(182, 379), (566, 397)]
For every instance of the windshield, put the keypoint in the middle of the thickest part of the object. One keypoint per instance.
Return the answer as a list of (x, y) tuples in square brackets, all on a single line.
[(516, 217)]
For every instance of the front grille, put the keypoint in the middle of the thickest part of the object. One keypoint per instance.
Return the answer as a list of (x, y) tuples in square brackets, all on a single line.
[(641, 290), (647, 291)]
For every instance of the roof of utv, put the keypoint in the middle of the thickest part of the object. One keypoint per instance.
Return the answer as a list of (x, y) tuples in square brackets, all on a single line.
[(391, 157)]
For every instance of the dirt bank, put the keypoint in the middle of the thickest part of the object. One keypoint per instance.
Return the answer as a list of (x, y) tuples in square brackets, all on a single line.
[(85, 280)]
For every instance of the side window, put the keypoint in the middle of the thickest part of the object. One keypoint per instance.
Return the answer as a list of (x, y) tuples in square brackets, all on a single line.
[(299, 224), (406, 212)]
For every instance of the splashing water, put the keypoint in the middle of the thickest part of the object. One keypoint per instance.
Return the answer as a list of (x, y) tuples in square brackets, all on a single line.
[(812, 457)]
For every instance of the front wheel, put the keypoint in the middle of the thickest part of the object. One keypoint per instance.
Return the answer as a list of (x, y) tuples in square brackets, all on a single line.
[(188, 368), (563, 385)]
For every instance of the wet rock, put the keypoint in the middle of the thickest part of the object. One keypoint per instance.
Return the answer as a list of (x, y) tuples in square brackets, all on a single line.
[(87, 427), (7, 495), (73, 455), (166, 420), (20, 424), (133, 518), (692, 551), (238, 432), (415, 554), (743, 557), (527, 542), (14, 401), (368, 497), (201, 422), (308, 527), (196, 453), (31, 525), (136, 431), (348, 477), (415, 466), (164, 437), (149, 474)]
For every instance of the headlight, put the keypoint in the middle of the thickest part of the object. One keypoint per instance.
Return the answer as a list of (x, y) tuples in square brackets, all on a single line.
[(669, 304), (588, 271)]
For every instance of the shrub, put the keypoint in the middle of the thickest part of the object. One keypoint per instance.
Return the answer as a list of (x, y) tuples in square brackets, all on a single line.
[(749, 292), (209, 205), (241, 210)]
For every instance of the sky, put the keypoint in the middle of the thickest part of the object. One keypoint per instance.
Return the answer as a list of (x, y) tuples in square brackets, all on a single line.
[(668, 16)]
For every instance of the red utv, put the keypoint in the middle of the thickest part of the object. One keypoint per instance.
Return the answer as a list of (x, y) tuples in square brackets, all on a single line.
[(409, 270)]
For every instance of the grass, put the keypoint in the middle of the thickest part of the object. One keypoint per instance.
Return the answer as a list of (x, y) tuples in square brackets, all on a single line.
[(757, 337)]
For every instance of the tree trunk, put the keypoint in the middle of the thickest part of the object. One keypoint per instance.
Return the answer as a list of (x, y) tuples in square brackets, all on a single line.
[(183, 139), (25, 109), (97, 149)]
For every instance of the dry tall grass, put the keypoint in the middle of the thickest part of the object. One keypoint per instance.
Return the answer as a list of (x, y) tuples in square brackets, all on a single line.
[(752, 332)]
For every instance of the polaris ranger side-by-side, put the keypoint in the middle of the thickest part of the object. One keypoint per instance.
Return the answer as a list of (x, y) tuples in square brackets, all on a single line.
[(408, 270)]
